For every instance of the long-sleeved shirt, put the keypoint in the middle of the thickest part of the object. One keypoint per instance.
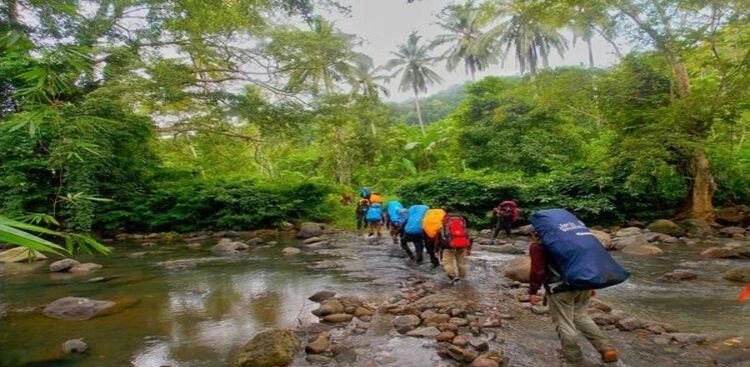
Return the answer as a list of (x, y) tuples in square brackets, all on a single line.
[(538, 273)]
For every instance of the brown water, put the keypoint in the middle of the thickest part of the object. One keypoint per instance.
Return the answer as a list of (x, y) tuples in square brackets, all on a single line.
[(198, 316)]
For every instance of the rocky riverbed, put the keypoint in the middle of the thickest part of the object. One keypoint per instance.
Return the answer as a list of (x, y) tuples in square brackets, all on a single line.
[(198, 300)]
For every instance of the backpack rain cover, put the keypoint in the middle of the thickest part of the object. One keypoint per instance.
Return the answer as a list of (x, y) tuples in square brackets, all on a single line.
[(414, 221), (575, 251)]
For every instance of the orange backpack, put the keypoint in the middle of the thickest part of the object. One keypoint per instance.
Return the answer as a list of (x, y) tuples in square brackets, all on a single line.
[(432, 222)]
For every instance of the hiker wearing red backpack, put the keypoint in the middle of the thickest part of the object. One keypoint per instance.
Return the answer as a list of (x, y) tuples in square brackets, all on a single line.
[(453, 245), (503, 217)]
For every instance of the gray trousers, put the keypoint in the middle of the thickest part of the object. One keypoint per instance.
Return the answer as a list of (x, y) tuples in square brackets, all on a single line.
[(569, 312)]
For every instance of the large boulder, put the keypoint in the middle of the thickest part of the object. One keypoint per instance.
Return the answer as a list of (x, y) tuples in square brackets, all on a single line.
[(75, 308), (667, 227), (720, 253), (738, 274), (604, 238), (227, 246), (19, 254), (620, 243), (518, 269), (629, 231), (62, 265), (309, 229), (697, 228), (732, 231), (733, 215), (275, 347)]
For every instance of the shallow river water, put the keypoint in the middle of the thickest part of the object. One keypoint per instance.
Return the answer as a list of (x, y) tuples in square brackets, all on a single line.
[(200, 315)]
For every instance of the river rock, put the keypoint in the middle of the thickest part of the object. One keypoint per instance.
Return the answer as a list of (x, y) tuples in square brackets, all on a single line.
[(518, 269), (198, 238), (74, 346), (276, 347), (309, 229), (254, 241), (524, 230), (688, 338), (320, 344), (484, 362), (598, 304), (732, 231), (642, 250), (480, 344), (434, 319), (85, 267), (696, 228), (508, 249), (19, 254), (667, 227), (424, 332), (681, 274), (178, 264), (62, 265), (604, 238), (75, 308), (227, 246), (461, 354), (738, 274), (313, 240), (628, 324), (289, 251), (328, 307), (620, 243), (629, 231), (733, 215), (405, 323), (460, 341), (321, 296), (720, 253), (445, 336), (362, 312), (458, 321), (603, 319)]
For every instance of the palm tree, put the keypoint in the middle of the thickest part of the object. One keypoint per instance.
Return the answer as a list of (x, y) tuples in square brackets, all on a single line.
[(366, 79), (464, 24), (587, 21), (530, 34), (412, 62)]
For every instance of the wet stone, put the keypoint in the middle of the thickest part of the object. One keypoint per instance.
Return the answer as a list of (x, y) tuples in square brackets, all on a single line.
[(405, 323), (681, 274), (319, 345), (338, 318), (689, 338), (74, 346), (424, 332), (458, 321), (460, 341), (445, 336), (628, 324), (322, 296)]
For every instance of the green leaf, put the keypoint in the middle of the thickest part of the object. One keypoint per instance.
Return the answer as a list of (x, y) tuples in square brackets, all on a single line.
[(17, 237)]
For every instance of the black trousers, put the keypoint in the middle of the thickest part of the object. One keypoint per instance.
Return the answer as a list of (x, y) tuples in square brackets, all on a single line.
[(419, 247), (504, 224)]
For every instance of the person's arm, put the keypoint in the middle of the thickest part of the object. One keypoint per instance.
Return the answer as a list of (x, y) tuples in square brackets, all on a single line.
[(538, 271)]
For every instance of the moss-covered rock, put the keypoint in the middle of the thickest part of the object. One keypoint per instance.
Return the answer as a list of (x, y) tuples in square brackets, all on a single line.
[(275, 347), (667, 227)]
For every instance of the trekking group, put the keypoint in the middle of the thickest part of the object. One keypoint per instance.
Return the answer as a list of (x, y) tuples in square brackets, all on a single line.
[(567, 260)]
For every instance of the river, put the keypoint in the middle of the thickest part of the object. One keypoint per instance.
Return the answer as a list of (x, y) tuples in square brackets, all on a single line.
[(198, 316)]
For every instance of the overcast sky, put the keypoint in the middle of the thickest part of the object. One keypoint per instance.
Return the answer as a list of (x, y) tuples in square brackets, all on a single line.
[(383, 24)]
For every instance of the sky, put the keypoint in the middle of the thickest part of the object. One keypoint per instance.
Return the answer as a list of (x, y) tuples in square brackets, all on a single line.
[(384, 24)]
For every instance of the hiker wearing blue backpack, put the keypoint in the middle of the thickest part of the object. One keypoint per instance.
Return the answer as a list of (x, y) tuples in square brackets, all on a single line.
[(411, 231), (360, 212), (569, 262), (374, 217)]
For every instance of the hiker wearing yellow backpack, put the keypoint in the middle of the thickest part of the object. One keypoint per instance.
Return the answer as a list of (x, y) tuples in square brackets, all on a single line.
[(453, 244), (431, 225)]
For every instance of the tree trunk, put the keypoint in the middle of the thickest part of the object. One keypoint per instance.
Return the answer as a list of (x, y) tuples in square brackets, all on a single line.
[(683, 79), (699, 203), (419, 112), (591, 53), (12, 11)]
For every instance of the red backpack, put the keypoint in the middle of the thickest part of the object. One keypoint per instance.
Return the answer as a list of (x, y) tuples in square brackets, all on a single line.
[(454, 232)]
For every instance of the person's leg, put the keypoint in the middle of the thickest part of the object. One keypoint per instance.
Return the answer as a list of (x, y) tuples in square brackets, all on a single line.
[(405, 246), (418, 247), (449, 258), (430, 245), (497, 229), (378, 228), (371, 225), (506, 226), (461, 260), (586, 325), (562, 310)]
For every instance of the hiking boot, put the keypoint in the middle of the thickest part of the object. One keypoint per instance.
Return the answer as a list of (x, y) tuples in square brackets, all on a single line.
[(609, 355)]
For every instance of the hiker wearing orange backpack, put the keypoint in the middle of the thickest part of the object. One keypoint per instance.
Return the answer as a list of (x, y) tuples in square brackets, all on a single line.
[(453, 245)]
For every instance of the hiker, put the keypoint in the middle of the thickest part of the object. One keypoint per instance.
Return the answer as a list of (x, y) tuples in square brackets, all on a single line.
[(503, 217), (569, 262), (360, 212), (453, 245), (391, 212), (411, 231), (346, 198), (432, 223), (374, 217), (396, 229), (376, 198)]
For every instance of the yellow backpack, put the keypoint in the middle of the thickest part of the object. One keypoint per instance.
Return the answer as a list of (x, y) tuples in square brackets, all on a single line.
[(432, 222), (375, 198)]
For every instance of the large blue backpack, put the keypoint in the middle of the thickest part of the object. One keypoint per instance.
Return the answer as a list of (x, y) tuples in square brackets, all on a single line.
[(392, 208), (575, 252), (414, 220), (374, 213)]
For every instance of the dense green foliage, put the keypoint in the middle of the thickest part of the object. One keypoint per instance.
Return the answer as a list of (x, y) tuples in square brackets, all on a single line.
[(246, 114)]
